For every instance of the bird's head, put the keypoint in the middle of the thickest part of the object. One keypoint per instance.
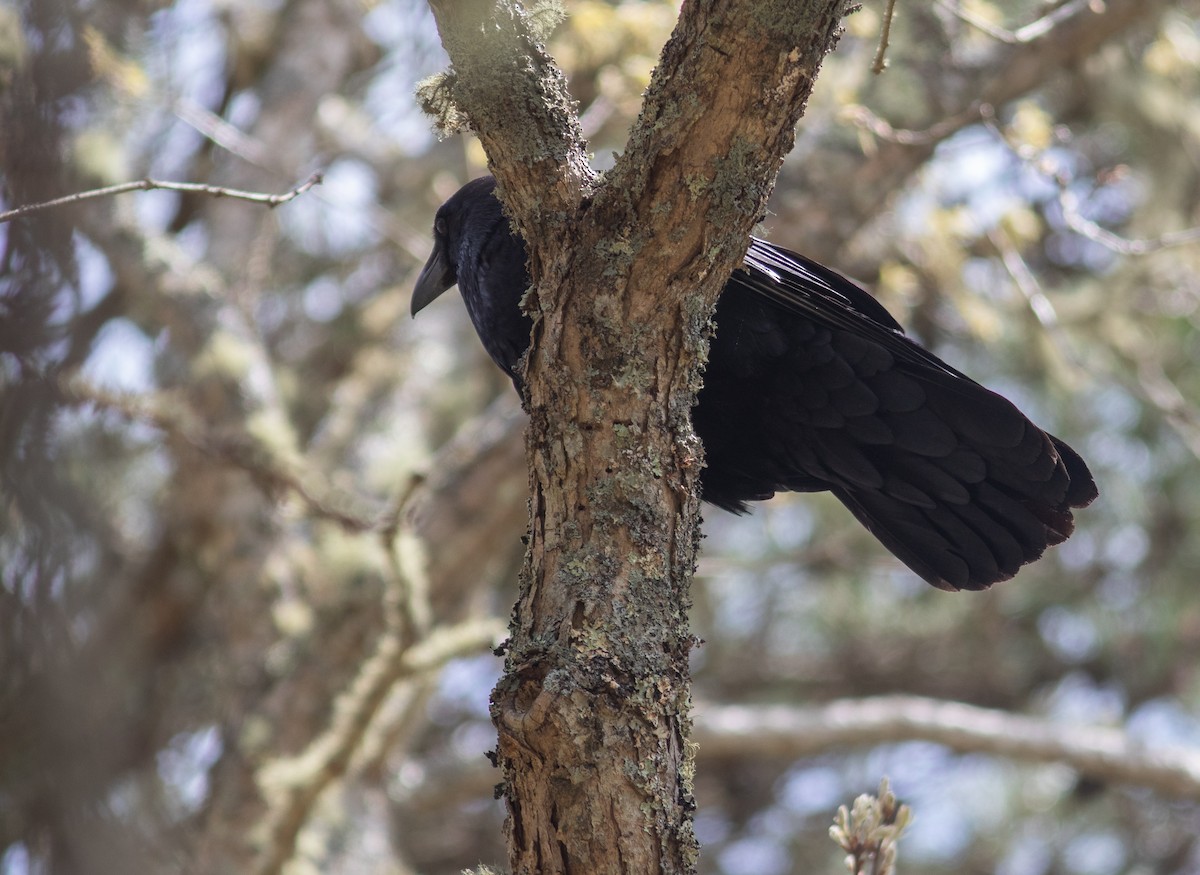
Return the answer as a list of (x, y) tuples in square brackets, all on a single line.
[(464, 210)]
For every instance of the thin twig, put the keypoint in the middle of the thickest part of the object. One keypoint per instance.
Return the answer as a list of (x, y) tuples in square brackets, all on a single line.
[(1074, 218), (885, 31), (1156, 385), (1025, 280), (269, 200), (406, 601), (1029, 32), (225, 135), (1085, 227), (864, 118), (1027, 284)]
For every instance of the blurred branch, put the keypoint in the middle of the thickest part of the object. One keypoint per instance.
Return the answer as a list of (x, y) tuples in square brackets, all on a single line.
[(1085, 227), (1069, 357), (864, 187), (406, 603), (1029, 32), (216, 129), (861, 117), (240, 450), (217, 191), (473, 506), (1151, 381), (1068, 201), (1025, 280), (292, 785), (781, 732), (1181, 414), (786, 732)]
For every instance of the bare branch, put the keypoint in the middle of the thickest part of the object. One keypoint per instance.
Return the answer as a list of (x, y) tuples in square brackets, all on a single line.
[(216, 129), (217, 191), (1029, 32), (292, 785), (880, 63), (1085, 227), (862, 117), (1154, 384), (1069, 202), (790, 732), (240, 450)]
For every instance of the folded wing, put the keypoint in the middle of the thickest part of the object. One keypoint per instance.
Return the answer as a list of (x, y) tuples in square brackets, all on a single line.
[(811, 385)]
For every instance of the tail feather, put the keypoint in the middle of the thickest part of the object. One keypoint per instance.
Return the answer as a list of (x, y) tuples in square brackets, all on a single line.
[(968, 512)]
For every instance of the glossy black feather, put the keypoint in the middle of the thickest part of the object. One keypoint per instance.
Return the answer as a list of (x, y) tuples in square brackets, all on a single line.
[(811, 385)]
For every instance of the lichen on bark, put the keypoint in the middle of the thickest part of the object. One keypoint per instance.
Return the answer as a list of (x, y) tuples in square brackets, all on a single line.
[(592, 709)]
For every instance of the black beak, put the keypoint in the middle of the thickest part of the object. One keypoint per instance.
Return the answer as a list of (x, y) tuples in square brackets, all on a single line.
[(435, 278)]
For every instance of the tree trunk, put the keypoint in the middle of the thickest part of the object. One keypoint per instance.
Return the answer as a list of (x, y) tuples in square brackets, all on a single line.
[(592, 709)]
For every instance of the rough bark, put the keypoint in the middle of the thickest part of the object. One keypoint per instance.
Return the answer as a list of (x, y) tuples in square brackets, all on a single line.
[(592, 709)]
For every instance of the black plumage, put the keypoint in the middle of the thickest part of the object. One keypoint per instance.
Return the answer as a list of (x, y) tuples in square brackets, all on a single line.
[(811, 385)]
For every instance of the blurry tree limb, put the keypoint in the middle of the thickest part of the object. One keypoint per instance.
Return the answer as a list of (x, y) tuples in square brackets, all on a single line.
[(470, 504), (1067, 39), (1069, 202), (1025, 280), (1147, 377), (291, 785), (269, 469), (173, 633), (1069, 357), (1154, 383), (1085, 227), (864, 187), (221, 132), (864, 118), (215, 525), (1029, 32), (789, 732), (472, 495), (783, 732), (268, 200)]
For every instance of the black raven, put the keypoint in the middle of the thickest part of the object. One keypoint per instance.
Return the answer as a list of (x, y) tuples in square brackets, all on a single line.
[(812, 385)]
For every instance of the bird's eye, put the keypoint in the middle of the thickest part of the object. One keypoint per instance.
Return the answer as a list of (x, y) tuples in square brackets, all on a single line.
[(439, 225)]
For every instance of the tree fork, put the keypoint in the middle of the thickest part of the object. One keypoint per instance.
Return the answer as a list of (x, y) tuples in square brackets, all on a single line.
[(592, 709)]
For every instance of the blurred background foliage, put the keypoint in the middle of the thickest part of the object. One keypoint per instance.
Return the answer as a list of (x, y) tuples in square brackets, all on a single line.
[(233, 469)]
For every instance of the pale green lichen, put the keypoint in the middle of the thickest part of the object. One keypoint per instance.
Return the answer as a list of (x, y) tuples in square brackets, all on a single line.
[(435, 96), (543, 17)]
